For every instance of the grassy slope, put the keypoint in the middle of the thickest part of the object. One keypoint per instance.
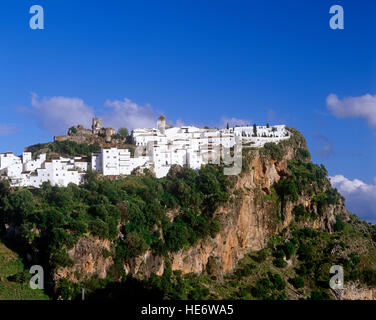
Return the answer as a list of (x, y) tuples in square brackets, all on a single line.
[(11, 264)]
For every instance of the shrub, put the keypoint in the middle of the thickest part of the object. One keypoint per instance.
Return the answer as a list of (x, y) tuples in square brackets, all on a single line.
[(280, 263), (287, 189), (123, 132), (261, 256), (72, 130), (99, 228), (304, 253), (369, 277), (289, 249), (277, 281), (60, 258), (320, 295), (275, 151), (304, 153), (245, 271), (339, 225), (297, 282), (279, 253), (300, 212), (262, 288)]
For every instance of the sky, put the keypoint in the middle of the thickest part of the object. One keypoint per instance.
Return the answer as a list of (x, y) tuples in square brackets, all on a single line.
[(201, 63)]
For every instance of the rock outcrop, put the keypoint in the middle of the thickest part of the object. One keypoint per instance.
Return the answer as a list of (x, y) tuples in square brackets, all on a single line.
[(247, 221), (89, 258), (97, 134), (353, 291)]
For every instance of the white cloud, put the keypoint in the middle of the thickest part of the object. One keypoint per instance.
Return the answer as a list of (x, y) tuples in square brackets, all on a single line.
[(234, 122), (6, 129), (129, 115), (57, 114), (363, 107), (360, 197)]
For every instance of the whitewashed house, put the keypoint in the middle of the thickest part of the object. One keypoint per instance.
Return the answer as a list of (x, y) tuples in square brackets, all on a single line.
[(156, 148)]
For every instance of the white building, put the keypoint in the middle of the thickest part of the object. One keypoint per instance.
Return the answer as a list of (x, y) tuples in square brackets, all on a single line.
[(156, 148), (191, 146), (23, 171), (114, 162)]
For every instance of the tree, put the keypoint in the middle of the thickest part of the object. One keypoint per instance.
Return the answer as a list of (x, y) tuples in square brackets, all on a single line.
[(254, 130), (72, 130), (123, 132), (280, 262), (289, 249), (297, 282), (267, 125), (227, 126), (21, 204), (277, 281), (135, 244), (339, 225)]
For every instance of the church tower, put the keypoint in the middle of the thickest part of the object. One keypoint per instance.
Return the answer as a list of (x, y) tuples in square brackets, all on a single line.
[(162, 124)]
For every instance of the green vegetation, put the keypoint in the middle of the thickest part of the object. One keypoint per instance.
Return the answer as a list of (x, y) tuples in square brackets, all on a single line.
[(14, 278), (72, 131), (256, 277), (65, 148), (272, 150), (301, 213), (310, 179), (141, 213), (297, 282), (52, 219), (123, 132), (269, 288), (339, 226)]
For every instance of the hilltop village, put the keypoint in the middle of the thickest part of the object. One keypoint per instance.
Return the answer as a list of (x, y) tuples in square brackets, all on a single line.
[(157, 149)]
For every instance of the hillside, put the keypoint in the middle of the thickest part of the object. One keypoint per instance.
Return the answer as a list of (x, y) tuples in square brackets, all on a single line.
[(271, 232), (14, 278), (82, 142)]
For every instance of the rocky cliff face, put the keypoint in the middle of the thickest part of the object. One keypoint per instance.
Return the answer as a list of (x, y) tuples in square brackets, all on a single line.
[(247, 221), (89, 260), (353, 291), (251, 218)]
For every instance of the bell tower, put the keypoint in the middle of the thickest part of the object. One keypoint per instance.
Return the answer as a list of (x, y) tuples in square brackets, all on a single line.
[(162, 124)]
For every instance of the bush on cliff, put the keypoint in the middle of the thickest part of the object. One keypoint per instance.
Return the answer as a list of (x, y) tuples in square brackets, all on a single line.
[(51, 219)]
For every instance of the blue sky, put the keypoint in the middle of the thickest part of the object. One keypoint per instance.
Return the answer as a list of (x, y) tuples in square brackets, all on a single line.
[(197, 62)]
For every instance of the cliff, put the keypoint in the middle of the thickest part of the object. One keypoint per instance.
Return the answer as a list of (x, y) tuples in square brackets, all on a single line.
[(271, 232), (254, 214)]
